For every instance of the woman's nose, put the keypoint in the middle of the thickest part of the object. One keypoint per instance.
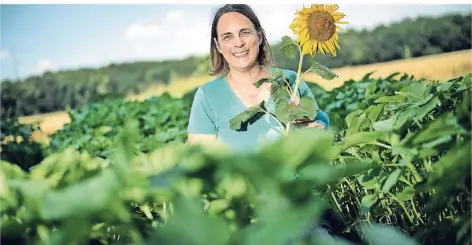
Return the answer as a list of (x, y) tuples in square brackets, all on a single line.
[(238, 42)]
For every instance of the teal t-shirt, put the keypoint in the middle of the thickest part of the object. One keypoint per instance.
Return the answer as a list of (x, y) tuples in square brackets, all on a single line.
[(215, 104)]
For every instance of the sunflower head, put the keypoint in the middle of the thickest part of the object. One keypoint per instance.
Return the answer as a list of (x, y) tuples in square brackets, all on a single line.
[(316, 28)]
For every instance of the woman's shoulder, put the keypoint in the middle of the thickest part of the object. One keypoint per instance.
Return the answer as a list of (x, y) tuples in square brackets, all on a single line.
[(213, 86)]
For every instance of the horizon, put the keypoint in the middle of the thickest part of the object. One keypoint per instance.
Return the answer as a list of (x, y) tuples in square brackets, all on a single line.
[(137, 37)]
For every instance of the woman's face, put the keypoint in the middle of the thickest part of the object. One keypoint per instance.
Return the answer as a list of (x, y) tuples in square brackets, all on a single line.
[(238, 40)]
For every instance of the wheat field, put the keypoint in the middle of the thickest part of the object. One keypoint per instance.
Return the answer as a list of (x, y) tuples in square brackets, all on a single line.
[(434, 67)]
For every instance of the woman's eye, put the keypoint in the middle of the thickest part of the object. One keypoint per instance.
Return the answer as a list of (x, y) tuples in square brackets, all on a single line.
[(246, 33)]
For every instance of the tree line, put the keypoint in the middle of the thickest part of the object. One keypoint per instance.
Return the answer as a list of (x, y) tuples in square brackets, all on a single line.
[(70, 89)]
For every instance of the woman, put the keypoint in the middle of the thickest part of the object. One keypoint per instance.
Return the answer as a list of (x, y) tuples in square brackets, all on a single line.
[(240, 56)]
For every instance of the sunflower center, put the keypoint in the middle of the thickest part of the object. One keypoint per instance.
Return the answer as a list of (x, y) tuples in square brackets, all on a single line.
[(321, 26)]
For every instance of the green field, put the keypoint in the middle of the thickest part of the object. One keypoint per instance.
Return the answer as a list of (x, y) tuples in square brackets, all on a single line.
[(432, 67), (395, 169)]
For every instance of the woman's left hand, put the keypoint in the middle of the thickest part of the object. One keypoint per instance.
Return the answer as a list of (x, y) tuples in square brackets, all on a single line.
[(309, 124), (299, 123)]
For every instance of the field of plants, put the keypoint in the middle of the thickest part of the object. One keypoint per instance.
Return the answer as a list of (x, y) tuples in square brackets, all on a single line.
[(394, 169)]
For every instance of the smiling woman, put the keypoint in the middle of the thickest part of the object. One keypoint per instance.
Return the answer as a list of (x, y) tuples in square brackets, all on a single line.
[(240, 56)]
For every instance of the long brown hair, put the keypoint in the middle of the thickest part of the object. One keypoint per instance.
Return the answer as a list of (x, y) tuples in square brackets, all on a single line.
[(219, 66)]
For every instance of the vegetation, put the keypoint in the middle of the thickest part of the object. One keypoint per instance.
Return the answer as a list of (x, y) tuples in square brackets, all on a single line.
[(113, 176), (405, 39)]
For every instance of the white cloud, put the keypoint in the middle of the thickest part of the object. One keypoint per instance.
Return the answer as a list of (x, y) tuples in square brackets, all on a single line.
[(4, 54), (43, 65), (142, 30), (276, 20), (174, 15)]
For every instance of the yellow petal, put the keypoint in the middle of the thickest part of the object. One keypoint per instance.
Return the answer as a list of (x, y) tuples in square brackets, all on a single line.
[(335, 37), (327, 49), (305, 49), (315, 46), (333, 7), (330, 46), (306, 11), (329, 8), (337, 17), (311, 46), (337, 45), (298, 30), (337, 14), (308, 46), (321, 48), (334, 43), (298, 24), (305, 34)]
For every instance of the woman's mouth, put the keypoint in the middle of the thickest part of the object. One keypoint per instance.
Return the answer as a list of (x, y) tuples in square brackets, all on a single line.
[(241, 54)]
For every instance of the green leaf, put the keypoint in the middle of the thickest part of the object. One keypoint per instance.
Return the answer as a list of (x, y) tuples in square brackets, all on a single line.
[(352, 117), (373, 112), (407, 194), (217, 206), (417, 90), (382, 235), (79, 199), (404, 117), (278, 92), (385, 125), (289, 47), (367, 202), (322, 71), (306, 109), (442, 126), (361, 138), (391, 99), (425, 109), (452, 168), (261, 81), (199, 228), (391, 180), (277, 74), (391, 76), (237, 121)]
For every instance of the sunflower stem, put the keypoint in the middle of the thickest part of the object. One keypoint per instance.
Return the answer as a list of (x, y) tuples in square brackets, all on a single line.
[(297, 82)]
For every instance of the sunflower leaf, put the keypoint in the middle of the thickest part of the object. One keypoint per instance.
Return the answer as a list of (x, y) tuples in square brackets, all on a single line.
[(289, 47), (277, 74), (239, 121), (261, 81), (322, 71), (306, 109), (279, 92)]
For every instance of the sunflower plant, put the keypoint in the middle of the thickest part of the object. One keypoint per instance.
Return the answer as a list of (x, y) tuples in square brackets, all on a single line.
[(316, 30)]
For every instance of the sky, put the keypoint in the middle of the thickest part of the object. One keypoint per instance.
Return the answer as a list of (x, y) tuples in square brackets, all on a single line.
[(38, 38)]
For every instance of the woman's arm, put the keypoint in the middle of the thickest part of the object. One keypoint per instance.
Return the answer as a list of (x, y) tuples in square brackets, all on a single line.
[(200, 138), (201, 127)]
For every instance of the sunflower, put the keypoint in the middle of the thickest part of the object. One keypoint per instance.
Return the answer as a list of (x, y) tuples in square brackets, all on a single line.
[(316, 28)]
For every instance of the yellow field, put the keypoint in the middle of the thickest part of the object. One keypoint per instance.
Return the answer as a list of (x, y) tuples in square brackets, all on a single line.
[(437, 67)]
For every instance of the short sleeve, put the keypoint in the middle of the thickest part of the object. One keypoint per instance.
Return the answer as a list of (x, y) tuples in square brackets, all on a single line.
[(321, 116), (201, 120)]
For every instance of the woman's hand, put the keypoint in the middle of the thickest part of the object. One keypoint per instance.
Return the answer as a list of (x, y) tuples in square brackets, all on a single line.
[(304, 123), (308, 124)]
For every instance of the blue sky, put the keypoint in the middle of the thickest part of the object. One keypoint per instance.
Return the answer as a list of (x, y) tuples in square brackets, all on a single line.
[(36, 38)]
